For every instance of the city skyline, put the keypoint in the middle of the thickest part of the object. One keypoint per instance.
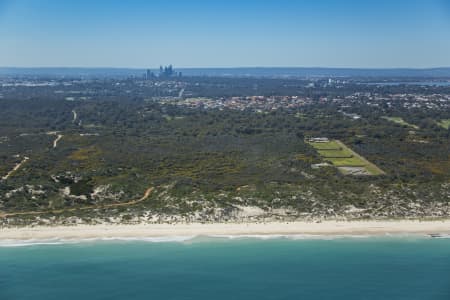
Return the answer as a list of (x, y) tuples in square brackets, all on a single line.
[(136, 34)]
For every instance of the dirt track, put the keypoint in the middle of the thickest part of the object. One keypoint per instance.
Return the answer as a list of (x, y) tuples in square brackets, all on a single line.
[(147, 194)]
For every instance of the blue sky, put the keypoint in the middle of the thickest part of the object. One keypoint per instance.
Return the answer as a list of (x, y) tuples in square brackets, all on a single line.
[(227, 33)]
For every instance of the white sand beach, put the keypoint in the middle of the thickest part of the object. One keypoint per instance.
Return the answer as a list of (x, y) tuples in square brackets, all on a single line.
[(229, 229)]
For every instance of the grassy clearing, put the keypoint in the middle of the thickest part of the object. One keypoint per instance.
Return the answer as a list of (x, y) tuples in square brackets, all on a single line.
[(331, 145), (342, 153), (301, 116), (444, 123), (170, 118), (346, 162), (341, 156), (400, 121)]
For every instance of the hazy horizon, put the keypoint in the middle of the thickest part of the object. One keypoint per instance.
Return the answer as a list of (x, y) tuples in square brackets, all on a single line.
[(156, 67)]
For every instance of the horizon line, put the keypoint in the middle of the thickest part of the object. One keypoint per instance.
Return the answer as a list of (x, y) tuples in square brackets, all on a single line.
[(226, 67)]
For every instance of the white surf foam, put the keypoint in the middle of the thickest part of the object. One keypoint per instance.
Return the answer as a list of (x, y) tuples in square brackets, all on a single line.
[(56, 241), (199, 238)]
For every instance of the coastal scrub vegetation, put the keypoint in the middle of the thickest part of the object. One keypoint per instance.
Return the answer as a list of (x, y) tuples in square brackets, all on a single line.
[(114, 146)]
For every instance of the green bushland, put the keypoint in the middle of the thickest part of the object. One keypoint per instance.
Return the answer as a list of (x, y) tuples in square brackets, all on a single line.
[(197, 154)]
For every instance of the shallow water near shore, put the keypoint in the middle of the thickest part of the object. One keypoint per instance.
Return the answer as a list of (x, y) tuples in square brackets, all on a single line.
[(306, 267)]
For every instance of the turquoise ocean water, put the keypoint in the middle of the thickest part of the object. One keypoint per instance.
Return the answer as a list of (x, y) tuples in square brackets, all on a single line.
[(221, 268)]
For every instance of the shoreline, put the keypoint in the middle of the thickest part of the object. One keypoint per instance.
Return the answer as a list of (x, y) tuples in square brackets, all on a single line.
[(324, 228)]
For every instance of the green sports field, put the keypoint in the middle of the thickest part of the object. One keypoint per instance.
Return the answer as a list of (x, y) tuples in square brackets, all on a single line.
[(343, 157)]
